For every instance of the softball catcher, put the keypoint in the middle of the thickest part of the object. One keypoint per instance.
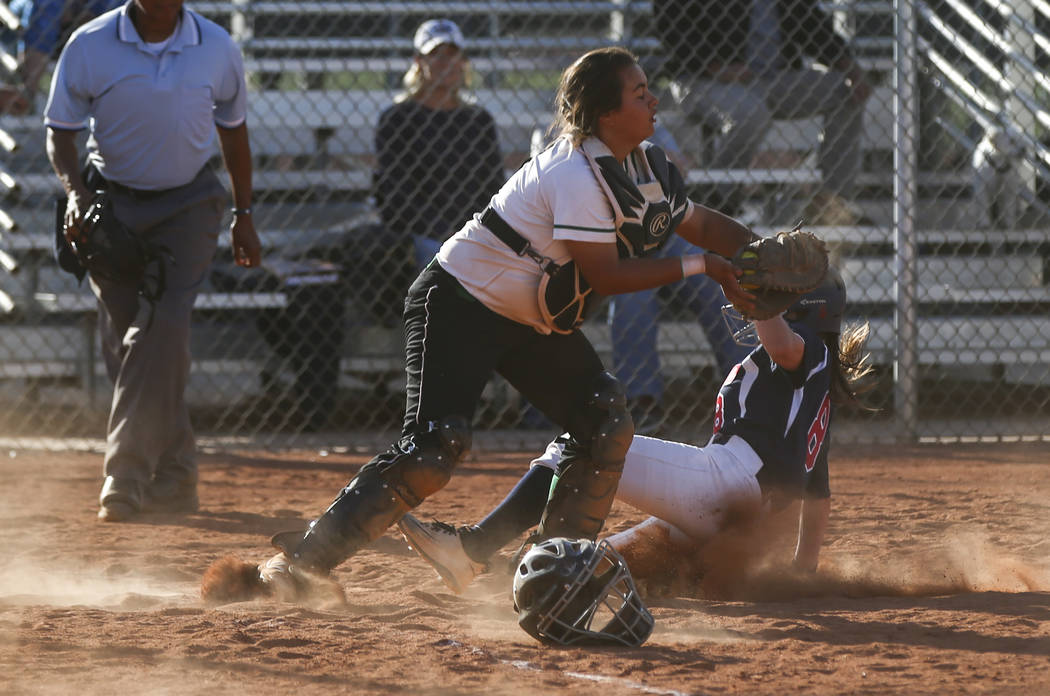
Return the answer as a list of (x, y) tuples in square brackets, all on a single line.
[(506, 295)]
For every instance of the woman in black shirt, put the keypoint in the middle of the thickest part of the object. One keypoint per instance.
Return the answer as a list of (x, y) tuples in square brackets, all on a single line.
[(438, 156)]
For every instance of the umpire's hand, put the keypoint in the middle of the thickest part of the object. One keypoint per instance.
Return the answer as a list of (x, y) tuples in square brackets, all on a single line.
[(77, 203), (245, 242)]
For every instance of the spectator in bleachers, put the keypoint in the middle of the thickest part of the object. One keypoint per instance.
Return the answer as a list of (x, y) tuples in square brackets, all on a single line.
[(47, 24), (438, 155), (738, 64)]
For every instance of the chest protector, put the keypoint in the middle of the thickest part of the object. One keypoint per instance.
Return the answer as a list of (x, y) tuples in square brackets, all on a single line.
[(648, 201), (646, 213)]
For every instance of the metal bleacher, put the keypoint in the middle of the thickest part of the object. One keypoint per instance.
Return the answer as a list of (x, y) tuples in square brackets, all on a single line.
[(320, 73)]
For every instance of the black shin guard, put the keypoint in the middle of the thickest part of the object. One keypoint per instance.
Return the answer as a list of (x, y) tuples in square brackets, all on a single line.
[(386, 488), (582, 497), (587, 477), (361, 513)]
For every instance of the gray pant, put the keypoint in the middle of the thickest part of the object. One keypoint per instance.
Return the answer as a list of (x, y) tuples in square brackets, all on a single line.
[(745, 113), (147, 349)]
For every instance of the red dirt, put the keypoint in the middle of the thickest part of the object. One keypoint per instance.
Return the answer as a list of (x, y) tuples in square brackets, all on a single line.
[(935, 579)]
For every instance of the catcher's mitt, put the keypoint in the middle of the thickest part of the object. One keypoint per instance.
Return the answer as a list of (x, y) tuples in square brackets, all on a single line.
[(110, 250), (778, 270)]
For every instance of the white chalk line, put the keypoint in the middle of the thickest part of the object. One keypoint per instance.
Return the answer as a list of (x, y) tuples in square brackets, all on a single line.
[(583, 676)]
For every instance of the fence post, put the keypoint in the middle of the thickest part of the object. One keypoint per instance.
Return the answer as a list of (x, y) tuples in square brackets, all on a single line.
[(1022, 43), (620, 24), (241, 24), (905, 195)]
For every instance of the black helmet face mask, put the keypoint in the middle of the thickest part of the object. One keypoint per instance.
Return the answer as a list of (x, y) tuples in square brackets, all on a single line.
[(576, 592)]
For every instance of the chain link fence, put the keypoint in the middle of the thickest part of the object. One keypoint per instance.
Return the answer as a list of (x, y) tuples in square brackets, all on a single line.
[(922, 161)]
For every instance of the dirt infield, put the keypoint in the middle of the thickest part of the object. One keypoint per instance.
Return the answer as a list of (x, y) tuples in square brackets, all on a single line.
[(935, 579)]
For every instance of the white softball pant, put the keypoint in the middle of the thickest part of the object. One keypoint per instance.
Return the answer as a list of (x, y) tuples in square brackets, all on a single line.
[(694, 489)]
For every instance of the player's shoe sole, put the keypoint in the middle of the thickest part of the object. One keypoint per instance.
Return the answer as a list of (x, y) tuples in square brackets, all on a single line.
[(440, 545)]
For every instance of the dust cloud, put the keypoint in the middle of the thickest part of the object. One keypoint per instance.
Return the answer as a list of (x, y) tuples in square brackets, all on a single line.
[(957, 562), (23, 583)]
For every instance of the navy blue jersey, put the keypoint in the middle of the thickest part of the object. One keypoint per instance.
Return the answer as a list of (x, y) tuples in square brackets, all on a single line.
[(784, 415)]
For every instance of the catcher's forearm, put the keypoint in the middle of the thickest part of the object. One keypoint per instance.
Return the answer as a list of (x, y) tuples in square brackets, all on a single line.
[(608, 274), (715, 231), (726, 234), (64, 158)]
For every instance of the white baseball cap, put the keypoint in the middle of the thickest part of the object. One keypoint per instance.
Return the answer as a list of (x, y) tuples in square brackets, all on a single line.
[(434, 32)]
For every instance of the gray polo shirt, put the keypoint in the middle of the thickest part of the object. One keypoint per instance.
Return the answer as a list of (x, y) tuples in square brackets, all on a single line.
[(152, 117)]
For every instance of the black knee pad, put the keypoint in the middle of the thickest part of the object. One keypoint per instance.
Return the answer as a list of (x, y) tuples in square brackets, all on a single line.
[(360, 514), (423, 462), (589, 473)]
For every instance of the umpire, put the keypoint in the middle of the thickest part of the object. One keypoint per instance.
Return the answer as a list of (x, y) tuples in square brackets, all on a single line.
[(153, 81)]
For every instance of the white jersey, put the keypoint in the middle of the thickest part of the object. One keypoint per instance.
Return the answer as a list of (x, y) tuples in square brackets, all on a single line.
[(553, 198)]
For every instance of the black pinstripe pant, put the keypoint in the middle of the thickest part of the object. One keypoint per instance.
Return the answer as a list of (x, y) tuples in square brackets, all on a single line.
[(454, 344)]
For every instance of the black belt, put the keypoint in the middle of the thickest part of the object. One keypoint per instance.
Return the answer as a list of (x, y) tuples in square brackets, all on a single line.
[(93, 179), (137, 194), (512, 238)]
